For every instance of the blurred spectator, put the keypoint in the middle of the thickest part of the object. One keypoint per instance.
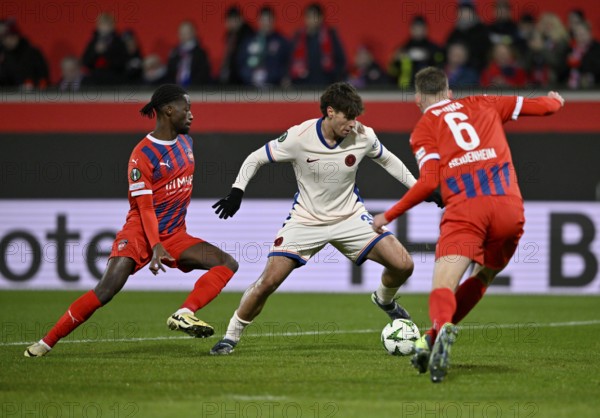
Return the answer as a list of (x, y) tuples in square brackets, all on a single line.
[(317, 58), (575, 17), (71, 78), (503, 70), (470, 31), (417, 53), (556, 44), (584, 58), (188, 63), (264, 57), (366, 72), (525, 31), (238, 32), (133, 66), (21, 64), (537, 64), (503, 29), (460, 74), (154, 71), (105, 55)]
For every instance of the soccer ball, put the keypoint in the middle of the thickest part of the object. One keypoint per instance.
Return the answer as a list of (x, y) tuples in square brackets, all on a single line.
[(399, 336)]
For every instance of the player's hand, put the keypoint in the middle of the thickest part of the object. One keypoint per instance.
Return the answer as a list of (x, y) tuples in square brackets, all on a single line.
[(436, 198), (379, 222), (228, 206), (557, 96), (159, 256)]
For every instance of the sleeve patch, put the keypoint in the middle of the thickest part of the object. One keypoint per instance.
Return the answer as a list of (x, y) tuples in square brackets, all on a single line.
[(420, 153), (137, 186), (135, 174), (282, 137)]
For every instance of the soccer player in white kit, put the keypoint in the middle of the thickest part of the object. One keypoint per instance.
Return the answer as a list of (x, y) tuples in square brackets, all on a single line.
[(325, 154)]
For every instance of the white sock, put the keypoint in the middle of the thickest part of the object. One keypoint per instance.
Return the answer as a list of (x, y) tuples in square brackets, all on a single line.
[(386, 295), (183, 311), (236, 327), (44, 344)]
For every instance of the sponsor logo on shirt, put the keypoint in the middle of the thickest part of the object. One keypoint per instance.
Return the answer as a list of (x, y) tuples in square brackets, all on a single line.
[(183, 181)]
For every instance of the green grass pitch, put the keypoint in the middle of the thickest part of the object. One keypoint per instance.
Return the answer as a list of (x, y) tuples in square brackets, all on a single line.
[(307, 355)]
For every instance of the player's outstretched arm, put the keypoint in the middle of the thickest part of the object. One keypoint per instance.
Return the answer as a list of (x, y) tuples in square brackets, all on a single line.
[(396, 168), (425, 186), (542, 106), (556, 96), (229, 205), (150, 226)]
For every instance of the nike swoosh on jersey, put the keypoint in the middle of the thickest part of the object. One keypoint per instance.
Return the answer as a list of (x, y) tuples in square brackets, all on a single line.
[(308, 160)]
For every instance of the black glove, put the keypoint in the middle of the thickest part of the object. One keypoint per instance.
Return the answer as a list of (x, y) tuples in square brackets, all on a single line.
[(228, 206), (436, 198)]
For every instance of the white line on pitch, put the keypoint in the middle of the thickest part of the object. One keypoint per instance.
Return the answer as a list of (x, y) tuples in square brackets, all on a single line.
[(490, 325)]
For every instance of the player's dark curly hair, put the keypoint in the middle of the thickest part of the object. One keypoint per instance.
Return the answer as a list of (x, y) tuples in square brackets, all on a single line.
[(342, 97), (162, 96), (430, 80)]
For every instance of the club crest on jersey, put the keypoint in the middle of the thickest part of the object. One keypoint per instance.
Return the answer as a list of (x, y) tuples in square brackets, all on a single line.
[(350, 160), (278, 241), (189, 154), (122, 244), (282, 137), (135, 174)]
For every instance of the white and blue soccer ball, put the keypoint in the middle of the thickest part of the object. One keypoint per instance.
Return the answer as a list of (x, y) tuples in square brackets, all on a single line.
[(399, 336)]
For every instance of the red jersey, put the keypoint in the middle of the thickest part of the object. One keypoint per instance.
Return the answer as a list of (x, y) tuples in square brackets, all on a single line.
[(467, 137), (164, 169)]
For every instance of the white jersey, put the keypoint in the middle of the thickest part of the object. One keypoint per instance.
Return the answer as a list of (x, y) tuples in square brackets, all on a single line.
[(326, 174)]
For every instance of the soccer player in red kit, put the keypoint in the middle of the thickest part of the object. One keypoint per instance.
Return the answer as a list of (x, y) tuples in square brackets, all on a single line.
[(161, 170), (460, 146)]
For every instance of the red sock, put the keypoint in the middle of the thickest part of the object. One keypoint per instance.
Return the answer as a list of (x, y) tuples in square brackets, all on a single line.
[(77, 314), (208, 286), (442, 304), (467, 295)]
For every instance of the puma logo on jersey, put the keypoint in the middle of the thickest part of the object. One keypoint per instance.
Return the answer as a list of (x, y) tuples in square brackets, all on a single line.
[(134, 160), (167, 164), (308, 160)]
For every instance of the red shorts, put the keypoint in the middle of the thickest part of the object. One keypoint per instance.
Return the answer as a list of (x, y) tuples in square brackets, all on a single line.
[(485, 229), (131, 242)]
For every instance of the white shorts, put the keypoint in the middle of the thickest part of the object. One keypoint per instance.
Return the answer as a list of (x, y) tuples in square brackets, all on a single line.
[(353, 237)]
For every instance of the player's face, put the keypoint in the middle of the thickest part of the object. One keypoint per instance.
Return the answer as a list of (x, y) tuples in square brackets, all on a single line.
[(340, 124), (181, 116)]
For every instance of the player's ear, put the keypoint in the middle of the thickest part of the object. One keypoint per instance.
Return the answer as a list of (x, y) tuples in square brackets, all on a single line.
[(330, 112), (418, 98), (450, 94)]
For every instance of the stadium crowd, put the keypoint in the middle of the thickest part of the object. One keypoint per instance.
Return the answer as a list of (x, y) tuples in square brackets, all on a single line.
[(539, 51)]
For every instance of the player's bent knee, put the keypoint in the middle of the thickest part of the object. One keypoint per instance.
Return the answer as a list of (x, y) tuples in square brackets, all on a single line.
[(231, 263), (104, 295), (404, 267)]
